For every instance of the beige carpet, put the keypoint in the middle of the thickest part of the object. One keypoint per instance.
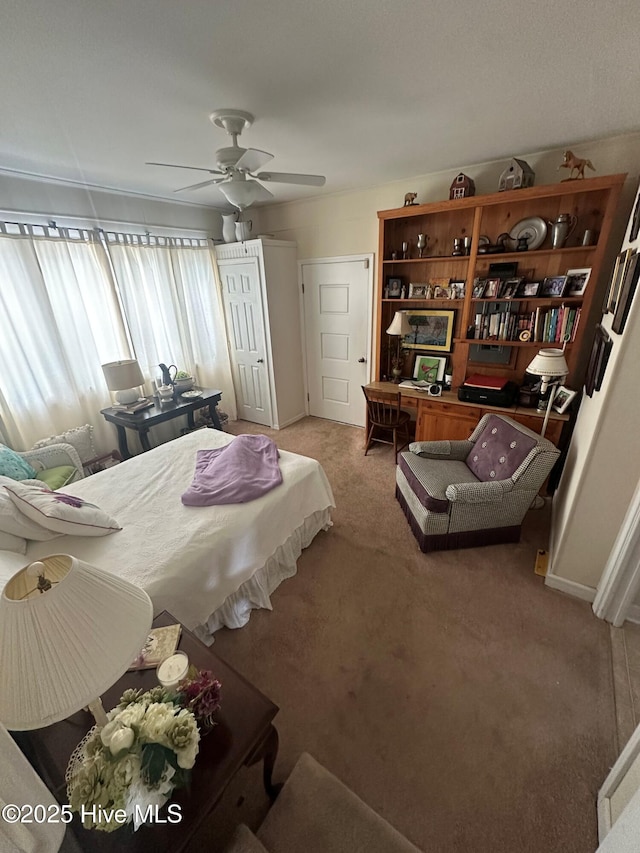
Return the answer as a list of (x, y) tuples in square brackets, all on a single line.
[(468, 704)]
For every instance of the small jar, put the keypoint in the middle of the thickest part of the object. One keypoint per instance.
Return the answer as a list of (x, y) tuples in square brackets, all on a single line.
[(172, 670)]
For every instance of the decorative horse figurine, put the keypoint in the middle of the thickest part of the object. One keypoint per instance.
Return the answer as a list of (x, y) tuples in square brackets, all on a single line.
[(576, 164)]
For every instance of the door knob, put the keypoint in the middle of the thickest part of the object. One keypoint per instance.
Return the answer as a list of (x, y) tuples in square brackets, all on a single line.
[(362, 360), (261, 361)]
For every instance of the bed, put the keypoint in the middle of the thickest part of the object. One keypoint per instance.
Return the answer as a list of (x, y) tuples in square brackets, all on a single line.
[(209, 566)]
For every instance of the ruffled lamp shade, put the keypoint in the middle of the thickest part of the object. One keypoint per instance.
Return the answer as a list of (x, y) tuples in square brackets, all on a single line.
[(62, 647)]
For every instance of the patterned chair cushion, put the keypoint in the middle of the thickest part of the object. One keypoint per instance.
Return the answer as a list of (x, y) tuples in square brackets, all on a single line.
[(429, 482), (499, 450)]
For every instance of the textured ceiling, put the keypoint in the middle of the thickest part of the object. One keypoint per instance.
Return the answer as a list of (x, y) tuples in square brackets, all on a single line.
[(363, 92)]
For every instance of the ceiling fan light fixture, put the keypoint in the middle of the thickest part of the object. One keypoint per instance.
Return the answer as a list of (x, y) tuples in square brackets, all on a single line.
[(240, 194)]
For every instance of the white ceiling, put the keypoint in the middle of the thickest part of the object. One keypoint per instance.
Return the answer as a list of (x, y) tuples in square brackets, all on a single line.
[(362, 91)]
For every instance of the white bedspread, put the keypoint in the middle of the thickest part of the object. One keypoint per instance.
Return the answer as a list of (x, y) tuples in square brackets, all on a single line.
[(189, 559)]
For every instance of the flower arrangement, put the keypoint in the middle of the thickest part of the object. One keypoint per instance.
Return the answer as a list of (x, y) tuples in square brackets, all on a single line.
[(131, 765)]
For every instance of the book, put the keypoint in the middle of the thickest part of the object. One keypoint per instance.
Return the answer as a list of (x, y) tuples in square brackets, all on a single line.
[(160, 643), (479, 380), (133, 407)]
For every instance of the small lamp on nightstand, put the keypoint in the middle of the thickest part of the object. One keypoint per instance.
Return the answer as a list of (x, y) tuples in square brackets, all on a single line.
[(400, 327), (124, 377)]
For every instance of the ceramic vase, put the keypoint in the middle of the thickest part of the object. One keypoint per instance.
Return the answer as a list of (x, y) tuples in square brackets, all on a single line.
[(229, 227), (243, 230)]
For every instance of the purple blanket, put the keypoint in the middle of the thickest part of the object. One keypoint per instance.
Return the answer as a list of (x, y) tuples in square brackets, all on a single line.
[(237, 473)]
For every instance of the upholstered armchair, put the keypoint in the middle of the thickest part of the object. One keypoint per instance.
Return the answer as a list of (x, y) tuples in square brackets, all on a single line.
[(459, 494), (56, 465)]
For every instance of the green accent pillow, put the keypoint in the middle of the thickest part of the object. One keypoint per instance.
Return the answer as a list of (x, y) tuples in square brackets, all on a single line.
[(56, 478), (14, 466)]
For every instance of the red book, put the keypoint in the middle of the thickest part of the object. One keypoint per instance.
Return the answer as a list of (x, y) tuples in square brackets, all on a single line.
[(479, 380)]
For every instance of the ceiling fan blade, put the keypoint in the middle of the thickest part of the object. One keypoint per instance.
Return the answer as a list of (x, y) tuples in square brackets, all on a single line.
[(177, 166), (253, 159), (289, 178), (199, 186)]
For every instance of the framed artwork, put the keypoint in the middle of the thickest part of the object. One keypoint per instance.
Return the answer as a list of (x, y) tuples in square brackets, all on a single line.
[(529, 288), (627, 291), (457, 289), (563, 398), (635, 222), (598, 359), (419, 291), (394, 288), (617, 277), (509, 288), (577, 282), (553, 285), (478, 289), (430, 330), (429, 368), (491, 290)]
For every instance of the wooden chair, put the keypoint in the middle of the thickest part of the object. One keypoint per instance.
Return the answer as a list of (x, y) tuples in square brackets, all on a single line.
[(385, 415)]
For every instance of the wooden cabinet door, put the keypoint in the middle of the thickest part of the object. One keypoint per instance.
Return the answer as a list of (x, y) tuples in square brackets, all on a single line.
[(438, 421)]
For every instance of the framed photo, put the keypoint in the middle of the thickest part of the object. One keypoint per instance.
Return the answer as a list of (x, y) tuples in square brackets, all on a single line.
[(598, 359), (419, 291), (430, 330), (441, 291), (529, 289), (563, 399), (553, 285), (627, 291), (457, 289), (577, 282), (635, 222), (478, 289), (492, 288), (429, 368), (509, 288), (394, 288)]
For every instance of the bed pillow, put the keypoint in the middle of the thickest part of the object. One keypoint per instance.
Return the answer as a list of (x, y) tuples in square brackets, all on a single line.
[(15, 523), (80, 438), (61, 513), (14, 466), (8, 542)]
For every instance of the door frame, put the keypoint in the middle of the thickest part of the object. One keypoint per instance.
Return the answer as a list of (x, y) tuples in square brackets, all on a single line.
[(368, 259)]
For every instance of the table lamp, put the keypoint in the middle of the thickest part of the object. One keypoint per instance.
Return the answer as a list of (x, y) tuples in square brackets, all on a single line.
[(400, 327), (124, 377), (68, 631), (551, 367)]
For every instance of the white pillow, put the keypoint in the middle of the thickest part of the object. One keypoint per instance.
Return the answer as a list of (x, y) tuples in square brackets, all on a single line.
[(79, 437), (12, 543), (60, 512), (15, 523)]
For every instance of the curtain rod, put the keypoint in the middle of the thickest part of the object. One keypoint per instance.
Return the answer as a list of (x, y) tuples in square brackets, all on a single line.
[(53, 221)]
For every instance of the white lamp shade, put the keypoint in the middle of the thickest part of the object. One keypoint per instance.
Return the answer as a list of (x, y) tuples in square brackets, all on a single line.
[(61, 649), (549, 363), (240, 193), (121, 375), (399, 325)]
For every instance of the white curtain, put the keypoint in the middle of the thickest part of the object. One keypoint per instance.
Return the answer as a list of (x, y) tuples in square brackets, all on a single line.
[(60, 321), (173, 308)]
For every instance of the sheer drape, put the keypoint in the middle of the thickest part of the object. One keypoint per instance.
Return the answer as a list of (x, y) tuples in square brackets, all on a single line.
[(173, 308), (60, 321)]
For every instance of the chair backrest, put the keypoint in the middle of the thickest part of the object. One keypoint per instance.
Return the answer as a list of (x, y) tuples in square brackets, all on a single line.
[(383, 406)]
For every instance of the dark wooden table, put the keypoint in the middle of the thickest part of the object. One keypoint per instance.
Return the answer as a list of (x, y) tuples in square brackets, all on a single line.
[(160, 412), (244, 735)]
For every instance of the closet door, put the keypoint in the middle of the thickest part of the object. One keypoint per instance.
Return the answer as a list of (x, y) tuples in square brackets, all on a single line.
[(241, 290)]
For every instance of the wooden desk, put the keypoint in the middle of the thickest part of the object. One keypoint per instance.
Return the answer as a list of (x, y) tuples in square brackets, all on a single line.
[(446, 417), (244, 735), (160, 412)]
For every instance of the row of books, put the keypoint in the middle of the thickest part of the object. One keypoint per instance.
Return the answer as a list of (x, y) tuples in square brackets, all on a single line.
[(551, 325)]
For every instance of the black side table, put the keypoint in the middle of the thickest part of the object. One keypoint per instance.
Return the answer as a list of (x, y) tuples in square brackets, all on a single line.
[(142, 421)]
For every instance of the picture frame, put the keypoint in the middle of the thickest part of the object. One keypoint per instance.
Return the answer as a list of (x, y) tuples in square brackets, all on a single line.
[(441, 291), (492, 288), (627, 291), (419, 291), (553, 285), (509, 288), (458, 288), (432, 330), (635, 222), (577, 281), (617, 277), (530, 289), (429, 368), (478, 289), (563, 399), (394, 288), (598, 359)]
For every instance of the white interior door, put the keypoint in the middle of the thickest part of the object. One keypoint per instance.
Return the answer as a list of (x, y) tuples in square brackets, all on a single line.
[(337, 305), (245, 330)]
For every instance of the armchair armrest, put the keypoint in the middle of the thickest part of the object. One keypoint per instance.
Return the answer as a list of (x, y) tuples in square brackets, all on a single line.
[(480, 492), (53, 455), (458, 450)]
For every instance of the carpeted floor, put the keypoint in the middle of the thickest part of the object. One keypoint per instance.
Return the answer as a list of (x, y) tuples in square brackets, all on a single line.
[(468, 704)]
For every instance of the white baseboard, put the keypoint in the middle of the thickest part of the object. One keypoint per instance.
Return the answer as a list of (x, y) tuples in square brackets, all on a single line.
[(290, 421), (577, 590)]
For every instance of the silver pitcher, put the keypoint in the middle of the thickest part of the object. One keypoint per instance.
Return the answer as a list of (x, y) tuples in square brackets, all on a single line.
[(561, 229)]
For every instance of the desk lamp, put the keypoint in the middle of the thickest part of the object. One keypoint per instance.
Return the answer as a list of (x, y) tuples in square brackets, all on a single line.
[(400, 327), (68, 631), (551, 367), (124, 377)]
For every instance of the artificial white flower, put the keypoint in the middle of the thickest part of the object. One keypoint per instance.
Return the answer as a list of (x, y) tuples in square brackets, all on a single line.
[(121, 739)]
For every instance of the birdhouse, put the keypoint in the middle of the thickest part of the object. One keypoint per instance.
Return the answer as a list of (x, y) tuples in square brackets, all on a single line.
[(517, 175), (462, 187)]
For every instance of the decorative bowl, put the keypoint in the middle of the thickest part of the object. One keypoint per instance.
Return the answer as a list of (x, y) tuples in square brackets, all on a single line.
[(182, 385)]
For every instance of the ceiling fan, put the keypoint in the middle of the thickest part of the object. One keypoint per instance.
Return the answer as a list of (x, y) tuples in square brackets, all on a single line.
[(237, 166)]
